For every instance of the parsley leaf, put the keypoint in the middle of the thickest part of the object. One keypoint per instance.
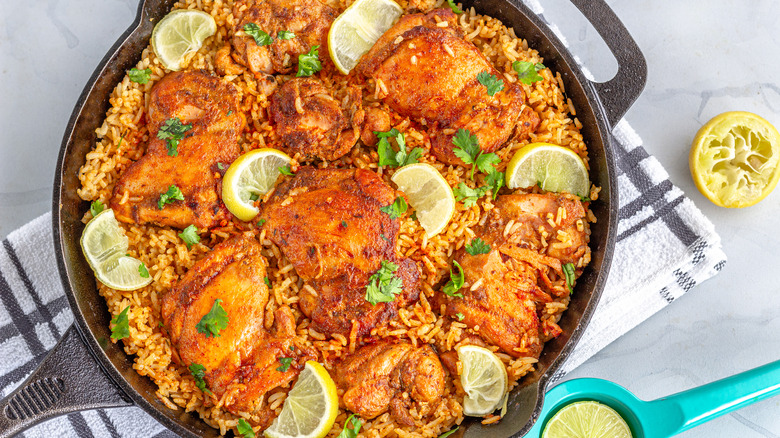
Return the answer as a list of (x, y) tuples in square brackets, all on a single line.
[(495, 180), (477, 246), (527, 72), (139, 76), (261, 37), (285, 35), (466, 146), (96, 207), (486, 162), (468, 195), (449, 432), (454, 7), (456, 282), (460, 316), (309, 63), (396, 209), (383, 286), (568, 271), (260, 222), (143, 271), (267, 281), (190, 236), (491, 82), (121, 328), (344, 224), (353, 432), (285, 364), (198, 371), (172, 131), (214, 321), (285, 170), (173, 194), (245, 429), (388, 156), (221, 166)]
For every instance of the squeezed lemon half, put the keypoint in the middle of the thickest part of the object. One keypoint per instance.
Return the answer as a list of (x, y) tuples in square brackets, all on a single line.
[(483, 378), (734, 159)]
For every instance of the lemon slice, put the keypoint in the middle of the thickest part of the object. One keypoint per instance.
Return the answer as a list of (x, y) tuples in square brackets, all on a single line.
[(554, 168), (104, 245), (180, 33), (734, 159), (429, 194), (311, 406), (251, 175), (483, 378), (587, 419), (355, 31)]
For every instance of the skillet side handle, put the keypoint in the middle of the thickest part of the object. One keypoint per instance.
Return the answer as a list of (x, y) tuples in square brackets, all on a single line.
[(620, 92), (69, 379)]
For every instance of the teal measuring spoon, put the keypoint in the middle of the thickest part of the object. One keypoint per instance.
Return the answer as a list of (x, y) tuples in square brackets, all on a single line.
[(670, 415)]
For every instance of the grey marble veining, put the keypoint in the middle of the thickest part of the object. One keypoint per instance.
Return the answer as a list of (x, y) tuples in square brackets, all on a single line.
[(704, 57)]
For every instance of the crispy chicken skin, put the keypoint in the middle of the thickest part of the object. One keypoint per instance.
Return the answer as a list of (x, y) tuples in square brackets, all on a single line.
[(205, 102), (310, 121), (506, 289), (310, 20), (244, 352), (390, 374), (430, 73), (328, 224)]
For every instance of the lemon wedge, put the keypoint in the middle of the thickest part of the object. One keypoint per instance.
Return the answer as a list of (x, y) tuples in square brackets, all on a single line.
[(355, 31), (180, 33), (554, 168), (429, 194), (586, 419), (104, 245), (734, 159), (250, 177), (484, 379), (311, 406)]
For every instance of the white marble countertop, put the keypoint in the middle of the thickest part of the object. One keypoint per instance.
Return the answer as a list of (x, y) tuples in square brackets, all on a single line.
[(705, 57)]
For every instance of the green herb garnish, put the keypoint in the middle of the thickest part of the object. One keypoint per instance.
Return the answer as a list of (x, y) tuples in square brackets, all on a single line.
[(528, 72), (245, 429), (221, 166), (396, 209), (454, 7), (260, 36), (309, 63), (267, 281), (495, 180), (460, 316), (468, 195), (285, 364), (467, 149), (492, 83), (172, 131), (173, 194), (388, 156), (190, 236), (449, 432), (383, 286), (477, 246), (260, 222), (344, 224), (254, 197), (121, 328), (214, 321), (96, 207), (348, 432), (143, 271), (456, 281), (139, 76), (568, 271), (285, 35), (198, 371), (285, 170)]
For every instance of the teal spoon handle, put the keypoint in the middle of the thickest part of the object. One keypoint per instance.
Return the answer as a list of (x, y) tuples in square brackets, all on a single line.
[(679, 412)]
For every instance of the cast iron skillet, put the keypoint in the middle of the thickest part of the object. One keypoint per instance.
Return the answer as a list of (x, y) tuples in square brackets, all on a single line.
[(86, 371)]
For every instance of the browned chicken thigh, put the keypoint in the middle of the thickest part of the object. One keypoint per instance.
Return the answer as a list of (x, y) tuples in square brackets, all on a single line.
[(244, 352), (427, 71), (311, 122), (210, 105), (328, 223), (309, 20), (531, 236), (390, 374)]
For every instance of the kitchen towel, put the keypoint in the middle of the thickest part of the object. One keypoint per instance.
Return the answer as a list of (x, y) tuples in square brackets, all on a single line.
[(661, 235)]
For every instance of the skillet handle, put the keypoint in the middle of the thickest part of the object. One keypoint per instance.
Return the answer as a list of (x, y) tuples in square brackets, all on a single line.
[(620, 92), (69, 379)]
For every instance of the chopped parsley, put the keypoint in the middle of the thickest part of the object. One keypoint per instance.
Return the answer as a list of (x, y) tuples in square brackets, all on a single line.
[(143, 271), (198, 371), (568, 271), (96, 207), (449, 432), (121, 328), (468, 195), (584, 198), (190, 236), (285, 364), (352, 432), (460, 316), (477, 246), (388, 156), (491, 82), (260, 222), (254, 197), (221, 166), (230, 112), (172, 131), (309, 63), (384, 237), (467, 149), (267, 281), (214, 321), (285, 170), (528, 72), (292, 347), (285, 35), (139, 76), (245, 429), (384, 285), (495, 180), (454, 7), (344, 224), (260, 36), (173, 194), (456, 281), (396, 209)]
